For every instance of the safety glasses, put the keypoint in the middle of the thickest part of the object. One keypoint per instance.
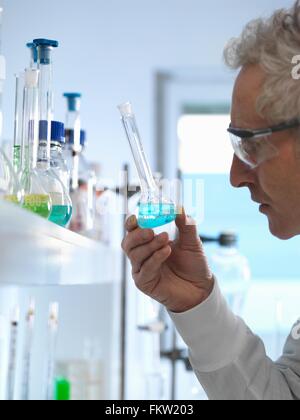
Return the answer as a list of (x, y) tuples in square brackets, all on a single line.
[(254, 146)]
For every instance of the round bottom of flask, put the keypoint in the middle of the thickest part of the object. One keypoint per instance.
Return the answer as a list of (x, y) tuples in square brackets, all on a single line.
[(155, 215)]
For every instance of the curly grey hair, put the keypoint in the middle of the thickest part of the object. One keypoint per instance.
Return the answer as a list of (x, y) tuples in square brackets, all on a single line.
[(272, 43)]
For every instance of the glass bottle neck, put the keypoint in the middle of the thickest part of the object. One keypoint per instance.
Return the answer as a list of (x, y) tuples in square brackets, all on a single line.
[(56, 149), (45, 92), (30, 126), (73, 122), (146, 178)]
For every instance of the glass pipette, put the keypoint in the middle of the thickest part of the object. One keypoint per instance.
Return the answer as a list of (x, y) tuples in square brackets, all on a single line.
[(52, 339), (11, 376), (154, 209), (19, 102), (30, 318)]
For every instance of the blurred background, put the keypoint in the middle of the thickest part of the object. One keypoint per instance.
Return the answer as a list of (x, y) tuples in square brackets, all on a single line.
[(166, 58)]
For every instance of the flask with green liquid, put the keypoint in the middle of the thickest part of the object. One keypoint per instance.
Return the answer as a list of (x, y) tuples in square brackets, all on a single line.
[(36, 197)]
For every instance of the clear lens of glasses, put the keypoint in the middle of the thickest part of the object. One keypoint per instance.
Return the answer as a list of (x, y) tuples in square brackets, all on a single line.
[(253, 151)]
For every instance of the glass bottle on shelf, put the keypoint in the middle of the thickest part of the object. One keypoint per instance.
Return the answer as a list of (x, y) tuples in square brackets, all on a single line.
[(58, 162), (61, 203), (10, 189), (74, 136), (61, 211), (34, 184), (83, 197)]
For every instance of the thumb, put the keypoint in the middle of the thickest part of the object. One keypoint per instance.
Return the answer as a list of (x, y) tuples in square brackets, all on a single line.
[(188, 232)]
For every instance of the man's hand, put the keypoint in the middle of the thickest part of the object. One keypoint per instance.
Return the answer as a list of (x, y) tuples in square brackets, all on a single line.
[(176, 274)]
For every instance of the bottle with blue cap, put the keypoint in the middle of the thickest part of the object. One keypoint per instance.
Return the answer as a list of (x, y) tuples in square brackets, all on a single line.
[(83, 197), (57, 162), (61, 203), (73, 135), (36, 196), (61, 214)]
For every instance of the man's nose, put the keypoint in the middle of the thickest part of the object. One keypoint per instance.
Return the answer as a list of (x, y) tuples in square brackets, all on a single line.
[(241, 175)]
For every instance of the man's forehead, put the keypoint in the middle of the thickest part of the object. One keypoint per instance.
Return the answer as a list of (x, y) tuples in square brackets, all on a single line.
[(248, 87)]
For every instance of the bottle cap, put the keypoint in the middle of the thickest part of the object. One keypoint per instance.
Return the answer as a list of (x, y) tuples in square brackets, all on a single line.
[(44, 48), (34, 53), (73, 101), (45, 42), (57, 132)]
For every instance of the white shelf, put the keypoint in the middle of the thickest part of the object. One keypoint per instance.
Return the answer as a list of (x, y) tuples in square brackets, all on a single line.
[(36, 252)]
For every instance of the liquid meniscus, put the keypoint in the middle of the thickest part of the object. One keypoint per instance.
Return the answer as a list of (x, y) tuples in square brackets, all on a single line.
[(61, 215), (39, 204), (155, 215)]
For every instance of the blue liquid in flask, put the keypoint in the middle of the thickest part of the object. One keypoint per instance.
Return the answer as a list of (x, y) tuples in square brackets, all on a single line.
[(153, 215)]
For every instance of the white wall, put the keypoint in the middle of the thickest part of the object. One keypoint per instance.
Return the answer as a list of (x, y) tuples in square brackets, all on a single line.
[(110, 50)]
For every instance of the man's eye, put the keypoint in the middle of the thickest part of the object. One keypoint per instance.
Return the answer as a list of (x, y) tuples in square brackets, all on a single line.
[(250, 146)]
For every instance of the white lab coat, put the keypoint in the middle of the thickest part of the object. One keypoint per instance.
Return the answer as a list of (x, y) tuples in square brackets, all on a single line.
[(230, 361)]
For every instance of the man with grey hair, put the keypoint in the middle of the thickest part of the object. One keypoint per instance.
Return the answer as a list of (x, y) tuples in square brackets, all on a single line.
[(228, 359)]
